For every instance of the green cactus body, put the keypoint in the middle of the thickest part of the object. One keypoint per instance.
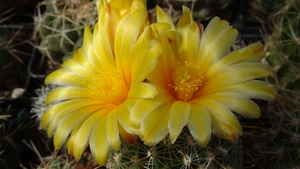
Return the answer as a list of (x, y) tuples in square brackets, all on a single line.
[(184, 153)]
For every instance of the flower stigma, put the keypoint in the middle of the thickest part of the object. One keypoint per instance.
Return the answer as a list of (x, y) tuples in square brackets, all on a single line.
[(187, 78), (108, 86)]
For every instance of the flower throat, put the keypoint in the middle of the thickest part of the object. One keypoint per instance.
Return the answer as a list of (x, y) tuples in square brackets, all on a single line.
[(187, 79)]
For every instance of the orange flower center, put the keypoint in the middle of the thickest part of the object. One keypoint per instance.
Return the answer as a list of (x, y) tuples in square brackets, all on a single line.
[(187, 79), (108, 86)]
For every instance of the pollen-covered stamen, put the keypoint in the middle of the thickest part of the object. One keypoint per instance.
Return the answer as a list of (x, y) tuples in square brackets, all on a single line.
[(187, 79), (108, 86)]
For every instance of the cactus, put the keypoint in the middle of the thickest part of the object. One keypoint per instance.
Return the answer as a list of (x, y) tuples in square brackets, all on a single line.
[(60, 27), (184, 153)]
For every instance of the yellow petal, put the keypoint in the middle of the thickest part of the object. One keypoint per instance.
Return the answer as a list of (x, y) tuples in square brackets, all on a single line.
[(217, 38), (165, 66), (88, 46), (64, 93), (237, 103), (77, 68), (163, 17), (124, 114), (130, 139), (79, 140), (239, 73), (127, 33), (179, 117), (155, 126), (104, 50), (244, 66), (142, 108), (65, 77), (144, 56), (251, 53), (99, 144), (189, 43), (65, 125), (224, 131), (200, 124), (142, 90), (67, 111), (52, 111), (113, 129), (221, 113), (80, 56), (254, 89)]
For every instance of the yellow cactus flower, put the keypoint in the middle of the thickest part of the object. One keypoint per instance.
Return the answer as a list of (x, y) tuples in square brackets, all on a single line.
[(100, 84), (201, 83)]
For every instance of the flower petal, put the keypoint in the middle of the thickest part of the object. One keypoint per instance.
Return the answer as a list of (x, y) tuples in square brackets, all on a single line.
[(222, 114), (65, 125), (144, 56), (52, 111), (217, 38), (142, 90), (179, 117), (143, 107), (113, 129), (163, 17), (254, 89), (104, 33), (189, 41), (200, 124), (130, 139), (155, 126), (127, 33), (238, 74), (67, 111), (88, 46), (237, 103), (124, 114), (74, 66), (78, 141), (64, 77), (99, 144), (64, 93), (224, 131), (80, 56), (251, 53)]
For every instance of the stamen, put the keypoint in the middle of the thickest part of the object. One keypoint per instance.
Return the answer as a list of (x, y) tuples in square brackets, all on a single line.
[(187, 79), (108, 86)]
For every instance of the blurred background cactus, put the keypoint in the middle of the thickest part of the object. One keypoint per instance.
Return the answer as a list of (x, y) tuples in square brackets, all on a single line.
[(283, 44), (275, 145), (60, 24)]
